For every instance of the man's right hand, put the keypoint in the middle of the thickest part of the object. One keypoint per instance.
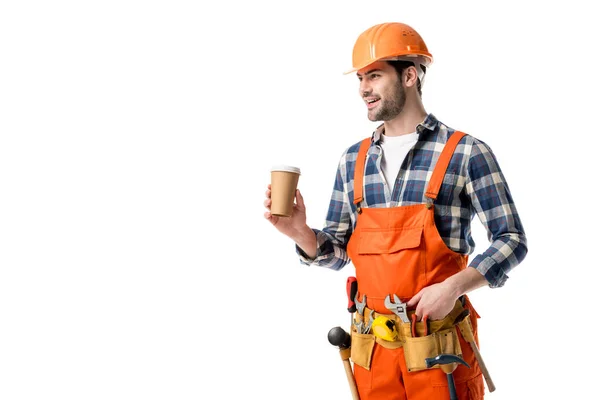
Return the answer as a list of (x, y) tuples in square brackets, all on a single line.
[(289, 226), (294, 226)]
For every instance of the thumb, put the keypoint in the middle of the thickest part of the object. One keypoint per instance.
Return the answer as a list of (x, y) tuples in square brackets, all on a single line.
[(299, 198)]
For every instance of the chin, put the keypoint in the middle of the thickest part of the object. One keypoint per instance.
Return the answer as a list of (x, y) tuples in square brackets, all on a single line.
[(373, 117)]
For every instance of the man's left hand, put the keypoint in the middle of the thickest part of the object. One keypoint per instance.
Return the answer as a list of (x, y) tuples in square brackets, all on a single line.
[(435, 301)]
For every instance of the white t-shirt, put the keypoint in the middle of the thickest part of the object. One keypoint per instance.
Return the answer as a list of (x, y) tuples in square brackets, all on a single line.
[(395, 149)]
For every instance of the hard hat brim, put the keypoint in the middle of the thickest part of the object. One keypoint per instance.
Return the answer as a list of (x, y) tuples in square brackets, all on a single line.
[(428, 60)]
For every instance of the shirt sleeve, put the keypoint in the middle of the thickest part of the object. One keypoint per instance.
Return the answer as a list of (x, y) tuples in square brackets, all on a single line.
[(333, 238), (493, 203)]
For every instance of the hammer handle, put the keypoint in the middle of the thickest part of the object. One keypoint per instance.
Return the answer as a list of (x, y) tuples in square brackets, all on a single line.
[(484, 370), (351, 380), (467, 332), (451, 387)]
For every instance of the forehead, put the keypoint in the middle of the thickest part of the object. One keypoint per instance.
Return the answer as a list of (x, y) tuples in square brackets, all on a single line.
[(378, 65)]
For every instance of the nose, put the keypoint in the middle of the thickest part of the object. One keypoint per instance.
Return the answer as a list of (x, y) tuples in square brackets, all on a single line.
[(364, 89)]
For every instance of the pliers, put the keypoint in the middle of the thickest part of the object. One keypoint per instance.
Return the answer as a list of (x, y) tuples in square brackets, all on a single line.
[(413, 325)]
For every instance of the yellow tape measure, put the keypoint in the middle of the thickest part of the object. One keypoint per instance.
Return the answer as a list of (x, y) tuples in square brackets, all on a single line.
[(384, 328)]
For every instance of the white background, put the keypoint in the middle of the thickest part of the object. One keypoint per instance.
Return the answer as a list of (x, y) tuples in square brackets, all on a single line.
[(136, 141)]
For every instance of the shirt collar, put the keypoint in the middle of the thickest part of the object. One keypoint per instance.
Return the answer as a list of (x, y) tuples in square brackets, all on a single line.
[(428, 125)]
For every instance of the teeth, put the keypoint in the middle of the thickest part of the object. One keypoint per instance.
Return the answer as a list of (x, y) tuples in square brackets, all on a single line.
[(371, 101)]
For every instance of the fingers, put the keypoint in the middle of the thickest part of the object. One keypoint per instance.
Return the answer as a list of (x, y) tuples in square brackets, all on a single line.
[(267, 202), (415, 300), (419, 313), (416, 317), (270, 217)]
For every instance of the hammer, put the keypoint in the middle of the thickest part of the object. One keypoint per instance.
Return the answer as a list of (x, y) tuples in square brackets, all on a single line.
[(448, 364), (340, 338), (465, 329)]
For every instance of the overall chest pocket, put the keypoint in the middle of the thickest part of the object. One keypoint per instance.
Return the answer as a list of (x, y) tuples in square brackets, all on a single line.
[(389, 240)]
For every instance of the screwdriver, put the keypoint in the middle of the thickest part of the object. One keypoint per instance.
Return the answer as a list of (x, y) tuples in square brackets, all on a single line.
[(351, 289)]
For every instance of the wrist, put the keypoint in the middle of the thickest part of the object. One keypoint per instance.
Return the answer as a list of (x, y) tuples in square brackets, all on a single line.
[(452, 287), (303, 235), (463, 282), (306, 239)]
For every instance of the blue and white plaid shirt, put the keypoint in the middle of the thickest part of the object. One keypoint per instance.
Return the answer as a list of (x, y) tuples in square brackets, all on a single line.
[(473, 184)]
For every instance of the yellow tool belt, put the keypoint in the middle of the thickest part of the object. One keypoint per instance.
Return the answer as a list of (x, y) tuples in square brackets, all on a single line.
[(442, 339)]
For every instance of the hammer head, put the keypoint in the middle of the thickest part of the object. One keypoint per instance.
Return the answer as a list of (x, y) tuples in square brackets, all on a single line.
[(339, 337), (444, 359)]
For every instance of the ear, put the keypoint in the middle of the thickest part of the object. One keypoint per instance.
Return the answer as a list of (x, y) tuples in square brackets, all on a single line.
[(410, 76)]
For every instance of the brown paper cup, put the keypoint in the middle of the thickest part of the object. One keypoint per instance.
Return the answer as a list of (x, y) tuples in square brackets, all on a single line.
[(284, 180)]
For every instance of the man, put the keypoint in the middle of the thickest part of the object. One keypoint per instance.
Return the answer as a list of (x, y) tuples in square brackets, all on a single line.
[(400, 210)]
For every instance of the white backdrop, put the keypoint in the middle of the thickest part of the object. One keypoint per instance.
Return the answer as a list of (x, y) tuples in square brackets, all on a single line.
[(136, 141)]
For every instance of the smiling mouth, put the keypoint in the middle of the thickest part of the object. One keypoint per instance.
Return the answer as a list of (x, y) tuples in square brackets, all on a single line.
[(372, 103)]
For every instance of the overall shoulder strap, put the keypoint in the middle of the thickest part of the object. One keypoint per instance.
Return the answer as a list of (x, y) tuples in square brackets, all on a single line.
[(435, 182), (359, 170)]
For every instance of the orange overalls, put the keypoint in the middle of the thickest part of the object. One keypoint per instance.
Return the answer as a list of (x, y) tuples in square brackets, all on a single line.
[(398, 250)]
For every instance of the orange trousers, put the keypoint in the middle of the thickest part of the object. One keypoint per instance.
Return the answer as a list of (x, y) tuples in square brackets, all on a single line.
[(388, 379)]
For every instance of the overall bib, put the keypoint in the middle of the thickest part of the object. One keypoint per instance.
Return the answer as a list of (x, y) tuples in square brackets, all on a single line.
[(398, 250)]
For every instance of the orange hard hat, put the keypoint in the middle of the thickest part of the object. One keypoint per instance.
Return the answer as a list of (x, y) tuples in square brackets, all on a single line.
[(389, 41)]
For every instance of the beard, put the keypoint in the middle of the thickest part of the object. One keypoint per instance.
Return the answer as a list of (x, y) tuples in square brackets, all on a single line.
[(390, 108)]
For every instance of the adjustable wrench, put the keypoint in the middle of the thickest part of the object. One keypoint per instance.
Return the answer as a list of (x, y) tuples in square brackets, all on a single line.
[(397, 307)]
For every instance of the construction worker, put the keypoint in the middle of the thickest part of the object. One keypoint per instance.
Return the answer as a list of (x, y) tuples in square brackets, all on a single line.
[(400, 211)]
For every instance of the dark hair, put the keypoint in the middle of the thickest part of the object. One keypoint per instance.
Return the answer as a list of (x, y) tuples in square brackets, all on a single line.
[(400, 66)]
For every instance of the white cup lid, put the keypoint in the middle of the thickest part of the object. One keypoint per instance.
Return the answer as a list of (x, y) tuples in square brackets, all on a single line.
[(287, 168)]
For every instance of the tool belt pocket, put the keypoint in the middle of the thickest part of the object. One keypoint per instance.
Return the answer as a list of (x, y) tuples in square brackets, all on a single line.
[(417, 349), (361, 349)]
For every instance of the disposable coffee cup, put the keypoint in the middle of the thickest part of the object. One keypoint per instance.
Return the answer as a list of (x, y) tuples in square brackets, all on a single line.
[(284, 181)]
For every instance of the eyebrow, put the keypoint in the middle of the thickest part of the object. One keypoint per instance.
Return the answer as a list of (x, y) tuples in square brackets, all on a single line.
[(369, 72)]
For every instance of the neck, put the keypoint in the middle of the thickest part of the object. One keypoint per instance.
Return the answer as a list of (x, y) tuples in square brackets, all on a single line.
[(406, 122)]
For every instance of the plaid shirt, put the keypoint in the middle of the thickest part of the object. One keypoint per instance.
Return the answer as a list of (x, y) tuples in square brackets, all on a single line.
[(473, 184)]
